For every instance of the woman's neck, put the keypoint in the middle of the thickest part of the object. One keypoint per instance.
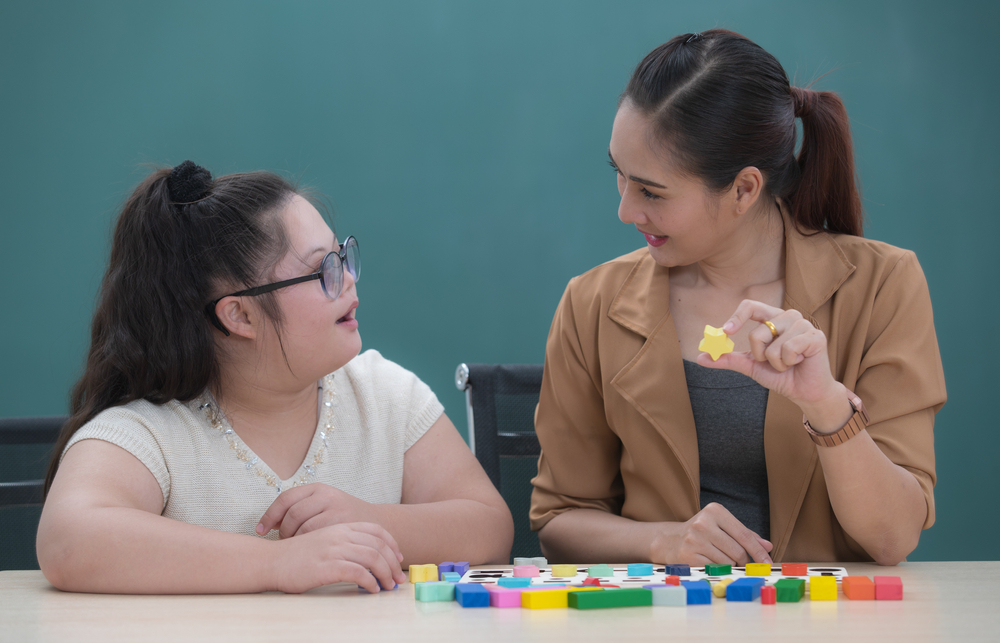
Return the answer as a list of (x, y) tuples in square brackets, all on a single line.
[(256, 407)]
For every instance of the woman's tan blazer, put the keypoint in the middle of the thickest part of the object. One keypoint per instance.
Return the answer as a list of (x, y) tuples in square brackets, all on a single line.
[(615, 421)]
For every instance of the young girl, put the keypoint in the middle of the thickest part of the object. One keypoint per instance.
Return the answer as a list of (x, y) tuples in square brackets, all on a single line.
[(227, 436), (813, 441)]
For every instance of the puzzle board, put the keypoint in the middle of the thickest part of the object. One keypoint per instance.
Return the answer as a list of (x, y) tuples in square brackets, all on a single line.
[(622, 579)]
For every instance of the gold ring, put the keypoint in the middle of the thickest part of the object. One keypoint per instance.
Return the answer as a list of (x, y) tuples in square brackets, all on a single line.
[(774, 331)]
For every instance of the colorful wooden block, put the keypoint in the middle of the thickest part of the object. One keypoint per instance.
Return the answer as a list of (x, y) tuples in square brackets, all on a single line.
[(858, 588), (434, 591), (888, 588), (423, 573), (640, 569), (790, 590), (718, 570), (590, 580), (446, 567), (504, 597), (672, 580), (716, 343), (525, 571), (617, 598), (471, 595), (539, 562), (600, 571), (461, 568), (678, 570), (544, 598), (521, 561), (699, 592), (822, 588), (450, 577), (564, 571), (745, 589), (758, 569), (672, 595), (794, 569), (768, 595), (507, 581), (719, 589)]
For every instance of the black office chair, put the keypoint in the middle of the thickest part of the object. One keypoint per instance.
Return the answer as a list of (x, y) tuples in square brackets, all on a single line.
[(500, 404), (25, 448)]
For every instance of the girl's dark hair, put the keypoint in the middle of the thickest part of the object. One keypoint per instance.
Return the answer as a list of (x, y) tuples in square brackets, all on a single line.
[(720, 103), (180, 238)]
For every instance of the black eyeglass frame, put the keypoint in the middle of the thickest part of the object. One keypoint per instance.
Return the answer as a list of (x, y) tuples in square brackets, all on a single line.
[(260, 290)]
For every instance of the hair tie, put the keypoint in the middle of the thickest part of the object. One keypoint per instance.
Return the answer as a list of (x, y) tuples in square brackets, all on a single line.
[(802, 100), (695, 37), (188, 183)]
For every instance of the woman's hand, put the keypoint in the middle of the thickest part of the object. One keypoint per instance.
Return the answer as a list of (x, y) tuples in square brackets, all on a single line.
[(713, 535), (362, 553), (313, 506), (794, 363)]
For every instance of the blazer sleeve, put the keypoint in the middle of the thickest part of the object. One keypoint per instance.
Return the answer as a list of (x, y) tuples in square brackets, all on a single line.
[(900, 377), (579, 466)]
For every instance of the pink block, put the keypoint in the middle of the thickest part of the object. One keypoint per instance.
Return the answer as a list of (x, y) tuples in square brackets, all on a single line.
[(888, 588), (522, 571), (504, 596)]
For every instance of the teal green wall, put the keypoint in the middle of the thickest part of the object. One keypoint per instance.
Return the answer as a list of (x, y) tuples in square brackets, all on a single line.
[(464, 144)]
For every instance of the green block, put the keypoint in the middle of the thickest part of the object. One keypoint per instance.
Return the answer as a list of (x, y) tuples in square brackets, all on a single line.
[(434, 591), (718, 570), (610, 598), (790, 590), (600, 571)]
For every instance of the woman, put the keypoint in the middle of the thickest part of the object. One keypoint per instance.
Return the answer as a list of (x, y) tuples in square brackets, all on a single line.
[(652, 450), (227, 436)]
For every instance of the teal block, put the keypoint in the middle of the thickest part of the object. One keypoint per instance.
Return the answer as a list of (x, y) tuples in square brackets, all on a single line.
[(600, 571), (640, 569), (508, 581), (434, 591), (451, 577)]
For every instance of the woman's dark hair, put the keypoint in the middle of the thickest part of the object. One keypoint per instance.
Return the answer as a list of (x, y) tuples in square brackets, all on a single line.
[(180, 239), (720, 103)]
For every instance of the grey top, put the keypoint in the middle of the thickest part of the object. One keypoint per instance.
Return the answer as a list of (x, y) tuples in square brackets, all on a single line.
[(729, 413)]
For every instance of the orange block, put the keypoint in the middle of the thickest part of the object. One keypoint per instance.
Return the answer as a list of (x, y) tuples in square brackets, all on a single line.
[(858, 588), (794, 569), (672, 580)]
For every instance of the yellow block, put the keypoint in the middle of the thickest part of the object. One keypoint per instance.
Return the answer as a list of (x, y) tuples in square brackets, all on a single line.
[(822, 588), (716, 343), (423, 573), (551, 598), (564, 571), (719, 589), (758, 569)]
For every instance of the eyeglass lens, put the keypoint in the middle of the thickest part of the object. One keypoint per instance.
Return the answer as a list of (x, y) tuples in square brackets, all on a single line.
[(333, 267)]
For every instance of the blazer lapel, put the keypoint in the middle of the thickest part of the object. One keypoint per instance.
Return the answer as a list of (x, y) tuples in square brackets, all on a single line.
[(653, 382), (815, 267)]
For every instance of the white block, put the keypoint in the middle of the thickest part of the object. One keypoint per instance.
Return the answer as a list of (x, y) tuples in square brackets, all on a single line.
[(670, 595)]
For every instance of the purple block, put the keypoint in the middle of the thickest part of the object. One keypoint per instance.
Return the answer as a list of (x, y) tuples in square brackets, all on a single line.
[(461, 568), (472, 595)]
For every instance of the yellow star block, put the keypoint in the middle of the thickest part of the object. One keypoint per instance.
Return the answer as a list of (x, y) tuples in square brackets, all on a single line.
[(716, 343)]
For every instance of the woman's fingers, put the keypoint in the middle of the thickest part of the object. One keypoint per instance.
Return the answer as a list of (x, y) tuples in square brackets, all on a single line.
[(750, 310), (275, 514)]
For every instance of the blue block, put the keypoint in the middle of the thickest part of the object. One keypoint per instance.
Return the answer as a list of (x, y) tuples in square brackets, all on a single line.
[(744, 589), (640, 569), (472, 595), (450, 577), (699, 592), (461, 568), (508, 581), (678, 570)]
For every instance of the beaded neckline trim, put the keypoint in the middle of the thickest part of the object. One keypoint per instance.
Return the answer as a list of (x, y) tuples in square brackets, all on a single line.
[(217, 419)]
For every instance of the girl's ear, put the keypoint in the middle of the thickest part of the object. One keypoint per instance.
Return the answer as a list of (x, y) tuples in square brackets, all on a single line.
[(237, 318)]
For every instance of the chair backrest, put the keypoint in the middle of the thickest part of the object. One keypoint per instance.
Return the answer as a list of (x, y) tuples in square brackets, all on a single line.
[(25, 448), (501, 401)]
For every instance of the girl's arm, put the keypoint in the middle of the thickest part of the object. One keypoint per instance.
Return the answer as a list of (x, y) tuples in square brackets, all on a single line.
[(101, 531), (449, 510)]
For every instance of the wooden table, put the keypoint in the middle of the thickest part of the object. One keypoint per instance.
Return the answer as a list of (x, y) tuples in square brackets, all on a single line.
[(941, 602)]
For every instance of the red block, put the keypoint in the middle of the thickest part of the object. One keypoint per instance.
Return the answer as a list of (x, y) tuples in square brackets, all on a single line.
[(858, 588), (794, 569), (672, 580), (591, 581), (888, 588), (768, 595)]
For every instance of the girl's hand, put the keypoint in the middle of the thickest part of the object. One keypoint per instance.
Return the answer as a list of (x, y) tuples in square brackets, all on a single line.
[(794, 363), (313, 506), (361, 553), (713, 535)]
